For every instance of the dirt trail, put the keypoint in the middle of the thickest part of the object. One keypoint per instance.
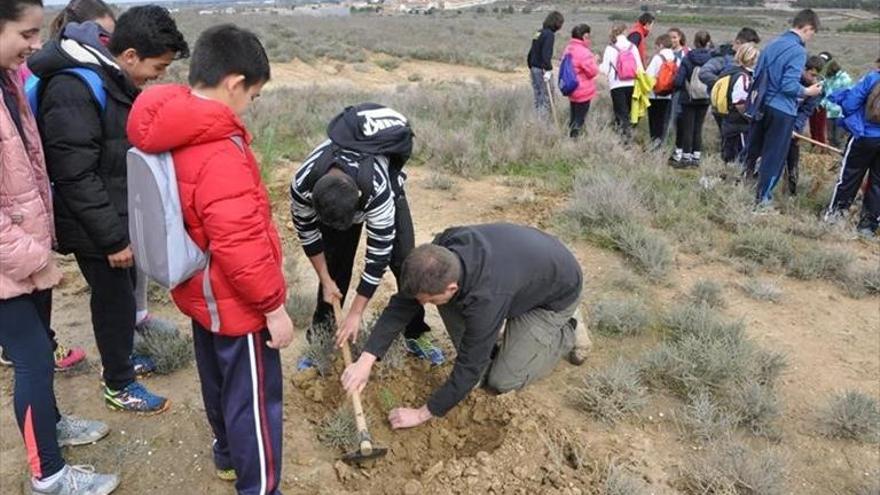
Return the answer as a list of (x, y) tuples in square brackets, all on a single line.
[(370, 75)]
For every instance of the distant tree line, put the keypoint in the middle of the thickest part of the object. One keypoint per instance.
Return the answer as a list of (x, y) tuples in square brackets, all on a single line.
[(839, 4)]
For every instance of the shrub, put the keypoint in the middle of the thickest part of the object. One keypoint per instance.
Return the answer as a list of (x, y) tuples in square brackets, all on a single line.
[(612, 393), (619, 317), (852, 416), (620, 480), (319, 347), (762, 290), (763, 246), (755, 407), (439, 181), (169, 350), (706, 420), (338, 429), (820, 264), (733, 468), (649, 252), (602, 200), (871, 281), (707, 292)]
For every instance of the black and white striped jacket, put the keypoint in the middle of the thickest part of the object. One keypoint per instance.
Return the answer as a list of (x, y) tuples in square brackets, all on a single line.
[(378, 214)]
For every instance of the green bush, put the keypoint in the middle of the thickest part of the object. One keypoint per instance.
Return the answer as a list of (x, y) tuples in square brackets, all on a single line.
[(619, 317)]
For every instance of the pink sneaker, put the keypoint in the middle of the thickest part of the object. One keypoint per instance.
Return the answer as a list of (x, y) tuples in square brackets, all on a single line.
[(66, 359)]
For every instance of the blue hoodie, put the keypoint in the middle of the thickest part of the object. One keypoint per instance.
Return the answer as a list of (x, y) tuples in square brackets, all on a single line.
[(853, 101), (784, 60)]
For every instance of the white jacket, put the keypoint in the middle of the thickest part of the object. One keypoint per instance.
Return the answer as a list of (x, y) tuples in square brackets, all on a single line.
[(609, 62)]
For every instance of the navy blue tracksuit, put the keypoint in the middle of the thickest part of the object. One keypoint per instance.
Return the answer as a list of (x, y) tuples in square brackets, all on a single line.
[(242, 390)]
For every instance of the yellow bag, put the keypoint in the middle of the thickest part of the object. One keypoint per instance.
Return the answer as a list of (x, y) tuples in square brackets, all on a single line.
[(720, 97)]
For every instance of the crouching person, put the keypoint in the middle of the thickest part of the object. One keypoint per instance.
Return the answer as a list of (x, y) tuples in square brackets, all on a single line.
[(508, 296), (240, 324)]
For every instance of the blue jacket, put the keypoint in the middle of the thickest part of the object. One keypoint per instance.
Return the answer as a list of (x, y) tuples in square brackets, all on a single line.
[(853, 101), (784, 60), (695, 58)]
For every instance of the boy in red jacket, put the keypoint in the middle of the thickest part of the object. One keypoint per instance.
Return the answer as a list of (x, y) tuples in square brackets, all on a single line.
[(227, 213)]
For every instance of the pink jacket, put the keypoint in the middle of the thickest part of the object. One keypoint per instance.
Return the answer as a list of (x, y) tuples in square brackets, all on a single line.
[(585, 67), (26, 227)]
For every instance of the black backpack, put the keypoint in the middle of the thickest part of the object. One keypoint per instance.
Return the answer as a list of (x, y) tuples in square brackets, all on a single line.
[(364, 131)]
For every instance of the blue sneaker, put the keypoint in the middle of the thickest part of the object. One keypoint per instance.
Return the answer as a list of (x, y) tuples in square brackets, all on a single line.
[(135, 398), (304, 363), (424, 348), (143, 365)]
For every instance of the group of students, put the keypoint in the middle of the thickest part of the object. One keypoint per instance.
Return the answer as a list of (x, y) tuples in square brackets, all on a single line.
[(759, 99), (508, 294)]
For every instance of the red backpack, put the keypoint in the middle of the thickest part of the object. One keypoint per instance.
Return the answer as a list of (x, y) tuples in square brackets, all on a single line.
[(665, 83)]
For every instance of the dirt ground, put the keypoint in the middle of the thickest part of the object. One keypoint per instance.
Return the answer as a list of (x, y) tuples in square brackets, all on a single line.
[(527, 442)]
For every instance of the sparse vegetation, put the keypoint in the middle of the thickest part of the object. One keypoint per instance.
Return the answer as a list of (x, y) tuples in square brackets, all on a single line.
[(169, 350), (728, 467), (871, 281), (764, 246), (319, 347), (762, 290), (820, 264), (393, 360), (338, 429), (620, 480), (707, 292), (612, 393), (439, 181), (619, 317), (300, 306), (852, 416)]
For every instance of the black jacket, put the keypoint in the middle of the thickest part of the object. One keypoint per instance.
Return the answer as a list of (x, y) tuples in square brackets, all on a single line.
[(85, 147), (695, 58), (541, 53), (507, 270)]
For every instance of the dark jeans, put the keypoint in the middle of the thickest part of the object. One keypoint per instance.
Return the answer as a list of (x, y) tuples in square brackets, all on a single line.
[(24, 329), (577, 117), (689, 129), (340, 248), (732, 146), (719, 121), (792, 166), (539, 87), (658, 118), (113, 313), (242, 390), (621, 102), (770, 139), (862, 157), (836, 132)]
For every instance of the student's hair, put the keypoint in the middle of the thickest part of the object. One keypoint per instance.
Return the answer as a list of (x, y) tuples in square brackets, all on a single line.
[(747, 55), (227, 49), (832, 68), (683, 39), (815, 62), (150, 31), (702, 39), (663, 41), (617, 29), (579, 31), (429, 269), (12, 10), (646, 18), (805, 18), (554, 21), (79, 11), (747, 35), (335, 198)]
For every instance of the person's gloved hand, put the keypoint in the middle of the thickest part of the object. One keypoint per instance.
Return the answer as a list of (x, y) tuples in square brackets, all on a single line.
[(548, 75)]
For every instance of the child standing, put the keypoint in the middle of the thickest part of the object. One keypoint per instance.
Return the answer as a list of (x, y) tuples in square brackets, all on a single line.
[(584, 63), (806, 107), (540, 61), (620, 63), (227, 213), (735, 126), (28, 273), (694, 105), (836, 79), (661, 64)]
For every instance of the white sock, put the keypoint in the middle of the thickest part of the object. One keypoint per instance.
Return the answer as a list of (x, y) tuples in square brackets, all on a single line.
[(140, 316), (687, 156), (677, 154), (45, 483), (696, 155)]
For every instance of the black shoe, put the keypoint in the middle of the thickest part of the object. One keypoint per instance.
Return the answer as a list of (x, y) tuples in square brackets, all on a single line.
[(678, 164)]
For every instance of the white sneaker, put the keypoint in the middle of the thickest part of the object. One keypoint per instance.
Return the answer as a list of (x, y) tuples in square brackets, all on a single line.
[(72, 431), (79, 480)]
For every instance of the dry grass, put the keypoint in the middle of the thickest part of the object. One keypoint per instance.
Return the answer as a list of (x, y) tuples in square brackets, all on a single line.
[(338, 429), (611, 393), (707, 292), (852, 416), (732, 468), (619, 317), (621, 480), (762, 290)]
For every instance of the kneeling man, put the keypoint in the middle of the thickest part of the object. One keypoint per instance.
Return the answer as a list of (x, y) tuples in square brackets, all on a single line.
[(483, 278)]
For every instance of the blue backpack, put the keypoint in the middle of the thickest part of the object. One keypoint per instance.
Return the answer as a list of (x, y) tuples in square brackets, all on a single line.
[(33, 87), (568, 81), (754, 110)]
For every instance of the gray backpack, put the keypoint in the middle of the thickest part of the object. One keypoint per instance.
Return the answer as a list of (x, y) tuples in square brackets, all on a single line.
[(163, 250), (696, 88)]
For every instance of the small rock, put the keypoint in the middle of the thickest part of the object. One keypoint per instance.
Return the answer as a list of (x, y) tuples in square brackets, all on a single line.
[(432, 472), (472, 472), (412, 487), (483, 457), (454, 470), (520, 472), (343, 471)]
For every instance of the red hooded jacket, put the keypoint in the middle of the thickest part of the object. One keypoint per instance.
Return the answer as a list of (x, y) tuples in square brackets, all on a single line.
[(226, 209), (642, 31)]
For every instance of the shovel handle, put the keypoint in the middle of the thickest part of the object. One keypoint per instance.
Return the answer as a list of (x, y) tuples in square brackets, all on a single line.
[(366, 445), (817, 143)]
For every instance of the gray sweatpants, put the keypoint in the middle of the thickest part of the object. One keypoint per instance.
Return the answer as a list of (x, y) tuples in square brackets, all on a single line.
[(542, 96), (530, 348)]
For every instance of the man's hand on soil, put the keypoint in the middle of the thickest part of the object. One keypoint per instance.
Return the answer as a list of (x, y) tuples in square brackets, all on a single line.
[(357, 374), (404, 417)]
